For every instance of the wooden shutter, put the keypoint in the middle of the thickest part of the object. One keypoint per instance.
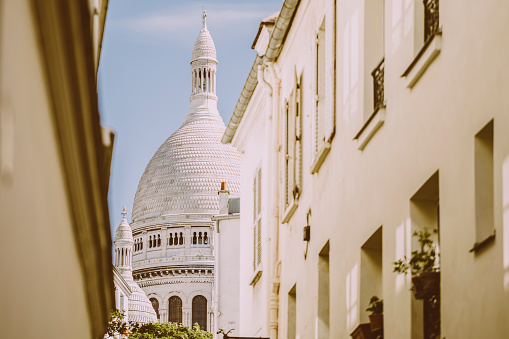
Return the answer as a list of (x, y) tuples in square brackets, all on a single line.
[(330, 69)]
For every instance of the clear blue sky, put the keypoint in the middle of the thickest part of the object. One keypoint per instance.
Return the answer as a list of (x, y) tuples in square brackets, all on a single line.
[(144, 75)]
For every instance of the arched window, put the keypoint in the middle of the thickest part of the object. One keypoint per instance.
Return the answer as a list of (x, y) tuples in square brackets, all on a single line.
[(200, 311), (158, 240), (150, 242), (194, 238), (155, 305), (181, 241), (175, 310), (141, 245), (205, 239), (200, 239), (170, 240)]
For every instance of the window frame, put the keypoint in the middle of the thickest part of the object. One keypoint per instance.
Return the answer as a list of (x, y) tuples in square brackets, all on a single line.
[(324, 116), (292, 162)]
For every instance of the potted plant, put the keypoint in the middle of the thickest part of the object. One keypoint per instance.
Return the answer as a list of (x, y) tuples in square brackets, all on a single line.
[(423, 265), (376, 318)]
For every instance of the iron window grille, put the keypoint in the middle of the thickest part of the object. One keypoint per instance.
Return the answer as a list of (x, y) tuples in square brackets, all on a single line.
[(378, 86), (431, 19)]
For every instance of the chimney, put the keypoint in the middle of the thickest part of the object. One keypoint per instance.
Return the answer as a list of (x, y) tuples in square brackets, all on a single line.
[(223, 199)]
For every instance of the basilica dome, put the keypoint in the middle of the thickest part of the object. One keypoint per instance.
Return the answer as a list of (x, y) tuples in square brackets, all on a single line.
[(186, 172)]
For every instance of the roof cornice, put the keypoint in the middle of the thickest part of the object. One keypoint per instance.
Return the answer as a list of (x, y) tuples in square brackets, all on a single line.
[(276, 43)]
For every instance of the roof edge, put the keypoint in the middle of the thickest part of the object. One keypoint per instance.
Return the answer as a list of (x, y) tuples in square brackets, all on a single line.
[(276, 43)]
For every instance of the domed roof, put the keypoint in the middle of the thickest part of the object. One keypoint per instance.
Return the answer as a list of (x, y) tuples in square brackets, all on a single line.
[(124, 232), (140, 308), (204, 45), (186, 172)]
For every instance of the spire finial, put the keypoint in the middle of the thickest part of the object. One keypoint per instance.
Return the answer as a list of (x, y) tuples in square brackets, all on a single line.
[(124, 212), (204, 18)]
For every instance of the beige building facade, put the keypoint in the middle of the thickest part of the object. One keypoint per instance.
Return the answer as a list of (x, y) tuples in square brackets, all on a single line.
[(371, 120), (57, 280)]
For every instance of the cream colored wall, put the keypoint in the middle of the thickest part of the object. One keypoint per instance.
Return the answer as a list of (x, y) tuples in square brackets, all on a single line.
[(226, 283), (42, 284), (428, 128), (254, 300)]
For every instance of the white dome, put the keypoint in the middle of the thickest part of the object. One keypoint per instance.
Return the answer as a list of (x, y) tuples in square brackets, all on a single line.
[(124, 232), (140, 308), (186, 172), (204, 45)]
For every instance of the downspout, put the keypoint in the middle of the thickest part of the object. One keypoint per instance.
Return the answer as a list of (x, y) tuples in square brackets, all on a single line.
[(272, 151)]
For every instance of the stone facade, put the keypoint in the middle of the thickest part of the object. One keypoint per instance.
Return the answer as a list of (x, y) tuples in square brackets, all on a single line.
[(177, 196), (371, 120), (138, 308)]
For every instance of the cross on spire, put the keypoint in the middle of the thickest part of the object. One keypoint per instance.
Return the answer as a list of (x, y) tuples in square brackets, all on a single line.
[(204, 18), (124, 212)]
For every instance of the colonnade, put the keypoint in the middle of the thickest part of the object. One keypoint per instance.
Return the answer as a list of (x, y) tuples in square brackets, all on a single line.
[(204, 80)]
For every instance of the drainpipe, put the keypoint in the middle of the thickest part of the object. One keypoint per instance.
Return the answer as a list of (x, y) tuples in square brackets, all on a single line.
[(272, 171)]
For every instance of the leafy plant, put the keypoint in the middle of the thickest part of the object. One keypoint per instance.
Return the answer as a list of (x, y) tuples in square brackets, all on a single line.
[(117, 324), (170, 331), (423, 260), (376, 306)]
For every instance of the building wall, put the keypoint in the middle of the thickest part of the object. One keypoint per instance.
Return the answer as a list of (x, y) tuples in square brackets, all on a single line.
[(44, 281), (365, 203), (184, 270), (253, 297), (227, 267)]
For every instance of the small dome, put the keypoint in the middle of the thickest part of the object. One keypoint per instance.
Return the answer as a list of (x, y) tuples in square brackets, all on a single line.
[(204, 45), (140, 308), (124, 232)]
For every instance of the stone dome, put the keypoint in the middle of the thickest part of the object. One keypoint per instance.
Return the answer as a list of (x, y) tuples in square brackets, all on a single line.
[(204, 45), (124, 232), (140, 308), (186, 172)]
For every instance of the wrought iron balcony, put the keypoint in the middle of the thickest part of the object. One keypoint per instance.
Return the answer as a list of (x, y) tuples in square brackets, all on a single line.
[(431, 19), (378, 86)]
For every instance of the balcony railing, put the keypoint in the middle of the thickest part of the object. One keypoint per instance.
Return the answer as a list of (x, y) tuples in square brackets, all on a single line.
[(378, 86), (431, 19)]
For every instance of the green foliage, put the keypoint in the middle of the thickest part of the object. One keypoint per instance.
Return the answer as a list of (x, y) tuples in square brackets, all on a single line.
[(169, 331), (117, 324), (376, 306), (422, 260)]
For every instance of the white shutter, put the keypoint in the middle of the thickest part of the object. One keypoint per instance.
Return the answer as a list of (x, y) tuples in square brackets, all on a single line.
[(330, 61)]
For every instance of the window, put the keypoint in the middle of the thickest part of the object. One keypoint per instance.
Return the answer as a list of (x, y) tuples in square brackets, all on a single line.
[(257, 219), (324, 88), (158, 240), (181, 239), (292, 313), (155, 305), (373, 71), (427, 39), (200, 311), (175, 310), (323, 293), (425, 213), (293, 151), (371, 272), (484, 187)]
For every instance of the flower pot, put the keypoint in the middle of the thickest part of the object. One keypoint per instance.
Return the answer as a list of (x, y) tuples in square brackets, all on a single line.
[(377, 322), (426, 284)]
